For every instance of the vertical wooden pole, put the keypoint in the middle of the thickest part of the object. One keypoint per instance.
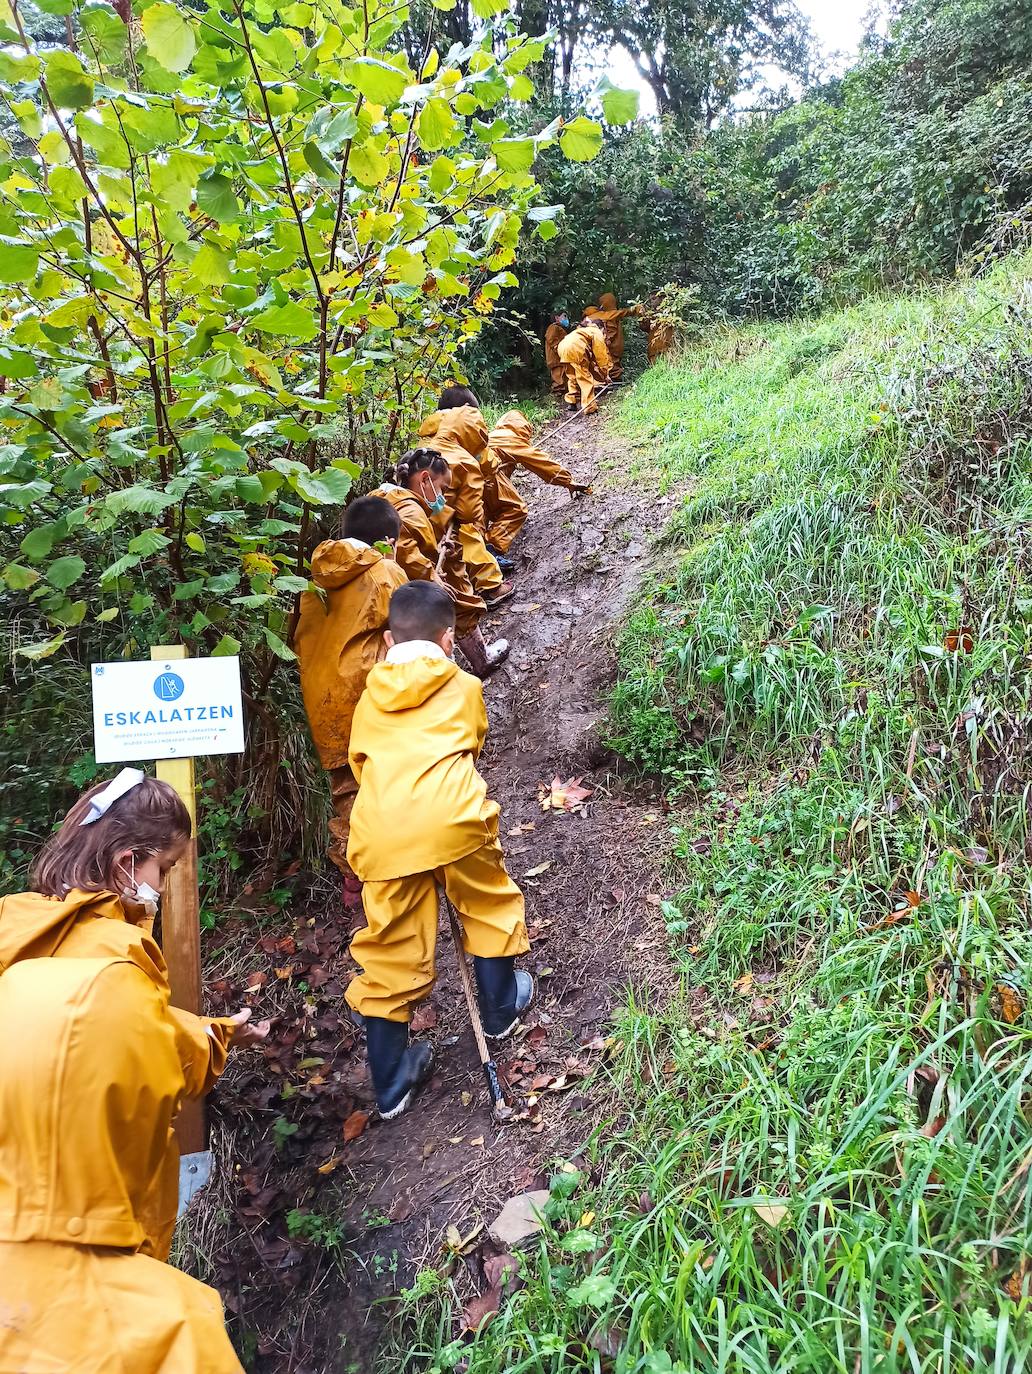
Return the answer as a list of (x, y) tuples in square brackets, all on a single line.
[(181, 919)]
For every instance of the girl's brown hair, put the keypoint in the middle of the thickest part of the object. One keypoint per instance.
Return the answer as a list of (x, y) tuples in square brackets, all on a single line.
[(147, 820)]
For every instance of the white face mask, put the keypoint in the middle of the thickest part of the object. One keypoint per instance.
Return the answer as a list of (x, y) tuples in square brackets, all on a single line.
[(141, 894)]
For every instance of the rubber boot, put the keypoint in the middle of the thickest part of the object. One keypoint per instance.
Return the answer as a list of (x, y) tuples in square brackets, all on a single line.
[(504, 993), (397, 1067), (483, 658)]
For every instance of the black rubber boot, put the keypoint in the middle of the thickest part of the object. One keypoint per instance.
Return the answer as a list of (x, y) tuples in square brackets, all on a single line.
[(397, 1067), (504, 994)]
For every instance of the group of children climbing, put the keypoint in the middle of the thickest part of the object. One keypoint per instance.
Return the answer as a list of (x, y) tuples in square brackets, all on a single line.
[(584, 360), (95, 1062)]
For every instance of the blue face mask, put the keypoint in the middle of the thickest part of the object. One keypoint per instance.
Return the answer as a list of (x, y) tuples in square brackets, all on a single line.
[(437, 505), (564, 320)]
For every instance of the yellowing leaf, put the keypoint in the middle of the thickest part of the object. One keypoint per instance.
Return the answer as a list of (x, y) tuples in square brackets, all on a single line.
[(170, 39), (772, 1214), (536, 872)]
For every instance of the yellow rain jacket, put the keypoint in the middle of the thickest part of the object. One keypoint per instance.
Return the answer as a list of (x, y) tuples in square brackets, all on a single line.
[(511, 445), (90, 1080), (587, 360), (418, 553), (610, 315), (418, 732), (460, 436), (96, 925), (338, 642)]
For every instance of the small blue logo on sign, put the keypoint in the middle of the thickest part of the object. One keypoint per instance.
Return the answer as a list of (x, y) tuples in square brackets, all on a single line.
[(169, 687)]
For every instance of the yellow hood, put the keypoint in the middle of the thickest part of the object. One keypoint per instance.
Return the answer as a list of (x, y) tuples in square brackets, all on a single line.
[(462, 428), (34, 927), (512, 425), (607, 301), (400, 686), (90, 1079), (336, 562)]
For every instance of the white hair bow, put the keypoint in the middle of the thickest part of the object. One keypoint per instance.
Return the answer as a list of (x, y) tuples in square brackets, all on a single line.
[(117, 787)]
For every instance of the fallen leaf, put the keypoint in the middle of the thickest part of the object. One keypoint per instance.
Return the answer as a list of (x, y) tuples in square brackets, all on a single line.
[(480, 1311), (1011, 1005), (256, 981), (563, 796), (355, 1125), (541, 868), (477, 1140), (456, 1139), (429, 1146), (466, 1099), (286, 972), (586, 1220), (329, 1166), (743, 985), (423, 1018), (500, 1270), (773, 1214), (453, 1238), (401, 1209)]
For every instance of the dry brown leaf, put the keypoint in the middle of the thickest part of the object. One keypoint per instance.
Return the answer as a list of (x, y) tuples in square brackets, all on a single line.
[(284, 973), (563, 796), (423, 1018), (743, 985), (466, 1099), (481, 1310), (1011, 1005), (500, 1270), (477, 1140), (329, 1166), (772, 1214), (355, 1125)]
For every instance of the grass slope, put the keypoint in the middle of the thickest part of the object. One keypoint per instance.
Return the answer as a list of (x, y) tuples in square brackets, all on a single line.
[(820, 1156)]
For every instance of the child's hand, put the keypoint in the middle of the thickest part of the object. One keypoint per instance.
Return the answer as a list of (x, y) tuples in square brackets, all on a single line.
[(245, 1033)]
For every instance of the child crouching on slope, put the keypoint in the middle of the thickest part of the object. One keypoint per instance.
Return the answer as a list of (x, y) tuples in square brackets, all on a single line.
[(423, 819)]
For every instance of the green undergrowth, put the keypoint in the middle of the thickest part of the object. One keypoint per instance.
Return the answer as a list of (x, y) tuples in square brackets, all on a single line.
[(819, 1153)]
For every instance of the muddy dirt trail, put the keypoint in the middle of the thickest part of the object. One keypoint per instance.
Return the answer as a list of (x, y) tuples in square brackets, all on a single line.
[(401, 1185)]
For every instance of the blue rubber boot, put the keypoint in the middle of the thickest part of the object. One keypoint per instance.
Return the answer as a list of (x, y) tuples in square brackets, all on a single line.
[(504, 993), (397, 1067)]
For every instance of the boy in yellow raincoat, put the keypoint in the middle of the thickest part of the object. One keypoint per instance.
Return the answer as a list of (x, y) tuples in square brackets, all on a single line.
[(423, 820), (96, 888), (90, 1081), (337, 641), (512, 447), (587, 362), (610, 316)]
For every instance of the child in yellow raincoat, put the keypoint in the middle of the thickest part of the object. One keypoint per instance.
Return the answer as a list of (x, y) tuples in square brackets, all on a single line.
[(458, 431), (587, 362), (512, 447), (95, 895), (554, 335), (423, 820), (337, 641), (90, 1081), (417, 493)]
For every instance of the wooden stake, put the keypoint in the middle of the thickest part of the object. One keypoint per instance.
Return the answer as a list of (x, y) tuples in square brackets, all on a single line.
[(181, 919)]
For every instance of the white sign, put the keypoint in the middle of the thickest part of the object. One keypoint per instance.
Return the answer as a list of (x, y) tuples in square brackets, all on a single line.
[(157, 710)]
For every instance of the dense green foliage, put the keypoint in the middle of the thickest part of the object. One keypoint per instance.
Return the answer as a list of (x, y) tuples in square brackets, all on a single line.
[(918, 156), (818, 1158), (238, 244)]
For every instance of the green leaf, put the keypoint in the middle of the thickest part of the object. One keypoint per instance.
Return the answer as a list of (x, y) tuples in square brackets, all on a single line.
[(18, 261), (148, 542), (547, 229), (35, 652), (290, 583), (38, 542), (437, 126), (383, 316), (278, 647), (367, 165), (581, 139), (106, 29), (19, 578), (514, 154), (227, 647), (141, 500), (291, 320), (319, 162), (106, 616), (249, 488), (618, 106), (484, 9), (211, 266), (196, 542), (170, 39), (15, 363), (65, 571), (215, 197), (327, 488), (69, 84), (522, 88), (69, 614), (378, 81)]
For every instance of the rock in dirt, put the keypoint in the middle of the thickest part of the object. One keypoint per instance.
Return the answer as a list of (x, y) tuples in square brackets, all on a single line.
[(519, 1219)]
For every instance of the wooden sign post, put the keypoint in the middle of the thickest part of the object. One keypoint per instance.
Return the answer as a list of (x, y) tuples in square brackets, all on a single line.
[(181, 920)]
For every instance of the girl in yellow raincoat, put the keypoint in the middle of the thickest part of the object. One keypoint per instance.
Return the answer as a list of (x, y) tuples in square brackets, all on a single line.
[(90, 1081), (96, 888), (512, 446), (418, 495)]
